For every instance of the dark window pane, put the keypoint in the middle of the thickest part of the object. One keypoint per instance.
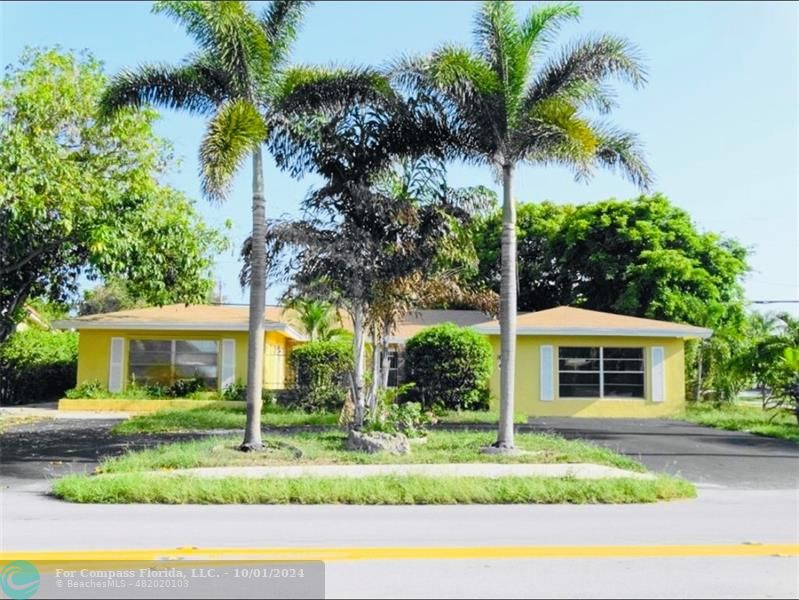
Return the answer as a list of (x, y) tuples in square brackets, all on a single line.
[(150, 352), (579, 385), (624, 385), (623, 365), (578, 352), (578, 359), (143, 374), (623, 353)]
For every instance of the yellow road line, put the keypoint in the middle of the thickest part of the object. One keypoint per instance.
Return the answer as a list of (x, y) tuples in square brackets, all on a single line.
[(415, 553)]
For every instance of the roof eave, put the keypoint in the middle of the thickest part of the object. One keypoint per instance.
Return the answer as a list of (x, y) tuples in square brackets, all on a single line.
[(693, 332), (286, 330)]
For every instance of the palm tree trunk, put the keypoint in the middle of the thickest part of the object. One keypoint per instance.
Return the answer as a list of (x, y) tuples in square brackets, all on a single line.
[(255, 344), (507, 313), (374, 388), (385, 361), (357, 375)]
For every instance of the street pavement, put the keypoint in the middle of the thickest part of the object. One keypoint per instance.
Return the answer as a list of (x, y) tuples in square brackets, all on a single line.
[(753, 509)]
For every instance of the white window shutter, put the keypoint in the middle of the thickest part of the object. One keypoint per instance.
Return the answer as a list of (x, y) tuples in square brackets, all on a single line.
[(547, 383), (658, 375), (116, 364), (228, 377)]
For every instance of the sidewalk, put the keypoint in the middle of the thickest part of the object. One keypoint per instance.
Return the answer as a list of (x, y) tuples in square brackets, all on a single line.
[(492, 470)]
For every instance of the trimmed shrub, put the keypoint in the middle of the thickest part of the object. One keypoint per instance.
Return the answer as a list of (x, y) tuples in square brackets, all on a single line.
[(319, 369), (37, 365), (450, 367)]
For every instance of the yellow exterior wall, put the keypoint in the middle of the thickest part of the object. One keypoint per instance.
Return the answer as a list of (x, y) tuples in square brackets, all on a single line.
[(94, 348), (275, 361), (528, 374)]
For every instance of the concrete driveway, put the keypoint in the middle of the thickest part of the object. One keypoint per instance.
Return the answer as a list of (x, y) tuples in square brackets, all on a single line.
[(700, 454)]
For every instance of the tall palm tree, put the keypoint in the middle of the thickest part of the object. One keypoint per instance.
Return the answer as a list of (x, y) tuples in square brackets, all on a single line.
[(234, 78), (506, 107)]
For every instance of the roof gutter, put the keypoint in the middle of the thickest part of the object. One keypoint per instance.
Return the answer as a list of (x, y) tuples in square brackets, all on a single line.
[(688, 332), (286, 330)]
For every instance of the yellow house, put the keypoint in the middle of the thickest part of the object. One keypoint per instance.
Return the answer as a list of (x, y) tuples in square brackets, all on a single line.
[(170, 342), (569, 361), (575, 362)]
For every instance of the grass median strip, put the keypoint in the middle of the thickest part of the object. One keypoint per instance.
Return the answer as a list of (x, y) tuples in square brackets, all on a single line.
[(161, 489), (328, 448)]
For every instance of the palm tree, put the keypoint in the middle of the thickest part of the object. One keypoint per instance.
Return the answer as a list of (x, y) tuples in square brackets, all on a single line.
[(505, 109), (234, 78), (318, 318)]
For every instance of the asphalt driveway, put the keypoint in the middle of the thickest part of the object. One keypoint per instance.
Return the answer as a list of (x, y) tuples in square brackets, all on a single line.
[(700, 454)]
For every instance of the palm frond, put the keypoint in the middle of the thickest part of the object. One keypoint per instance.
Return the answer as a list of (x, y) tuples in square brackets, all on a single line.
[(226, 30), (235, 130), (621, 151), (590, 61), (197, 87), (312, 89), (496, 33), (542, 23), (280, 22)]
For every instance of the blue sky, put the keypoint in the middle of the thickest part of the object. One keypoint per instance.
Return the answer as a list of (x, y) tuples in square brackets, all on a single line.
[(718, 116)]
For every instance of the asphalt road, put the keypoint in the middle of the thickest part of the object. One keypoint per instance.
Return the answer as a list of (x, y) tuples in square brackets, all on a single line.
[(749, 497), (697, 453)]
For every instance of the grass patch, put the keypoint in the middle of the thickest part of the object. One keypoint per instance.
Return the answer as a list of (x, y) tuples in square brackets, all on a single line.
[(480, 417), (208, 418), (164, 489), (205, 418), (328, 448), (753, 419)]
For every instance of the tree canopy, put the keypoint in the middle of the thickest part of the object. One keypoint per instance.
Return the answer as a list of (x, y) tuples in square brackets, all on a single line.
[(642, 257), (82, 195)]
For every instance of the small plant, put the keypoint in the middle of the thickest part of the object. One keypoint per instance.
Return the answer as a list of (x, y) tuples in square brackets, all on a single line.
[(235, 392), (185, 387), (390, 416), (88, 389)]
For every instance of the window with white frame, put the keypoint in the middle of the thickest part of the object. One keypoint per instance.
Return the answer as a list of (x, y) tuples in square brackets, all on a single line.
[(164, 361), (600, 372)]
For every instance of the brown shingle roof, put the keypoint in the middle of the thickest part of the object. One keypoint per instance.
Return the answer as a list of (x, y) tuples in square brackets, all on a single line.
[(566, 320)]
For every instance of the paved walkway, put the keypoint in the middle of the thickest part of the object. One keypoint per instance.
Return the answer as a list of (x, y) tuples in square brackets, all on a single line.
[(493, 470)]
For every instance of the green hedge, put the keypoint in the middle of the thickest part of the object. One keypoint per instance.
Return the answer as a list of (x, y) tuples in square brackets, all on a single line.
[(450, 367), (37, 365), (319, 370)]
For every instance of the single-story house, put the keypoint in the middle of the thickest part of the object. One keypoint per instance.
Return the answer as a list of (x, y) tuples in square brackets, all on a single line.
[(569, 361), (576, 362)]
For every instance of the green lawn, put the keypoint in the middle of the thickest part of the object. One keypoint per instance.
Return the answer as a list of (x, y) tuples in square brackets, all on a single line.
[(328, 448), (205, 418), (777, 424), (164, 489)]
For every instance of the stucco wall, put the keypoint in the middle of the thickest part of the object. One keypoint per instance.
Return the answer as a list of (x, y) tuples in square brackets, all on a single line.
[(94, 347), (527, 396)]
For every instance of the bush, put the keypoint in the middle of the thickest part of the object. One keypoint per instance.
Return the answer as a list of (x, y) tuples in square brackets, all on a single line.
[(319, 369), (450, 367), (186, 387), (388, 416), (37, 365), (235, 392)]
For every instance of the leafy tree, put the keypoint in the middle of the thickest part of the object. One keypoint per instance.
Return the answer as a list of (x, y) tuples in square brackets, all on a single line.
[(642, 257), (504, 112), (544, 280), (78, 195), (450, 367), (110, 296), (360, 238)]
